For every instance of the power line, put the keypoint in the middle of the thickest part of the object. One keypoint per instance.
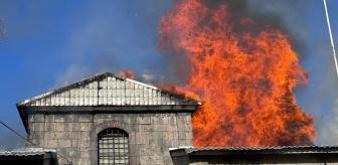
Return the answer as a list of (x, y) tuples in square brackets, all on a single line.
[(15, 132), (26, 140), (331, 37)]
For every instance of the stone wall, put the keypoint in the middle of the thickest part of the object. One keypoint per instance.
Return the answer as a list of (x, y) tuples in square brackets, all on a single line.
[(74, 136)]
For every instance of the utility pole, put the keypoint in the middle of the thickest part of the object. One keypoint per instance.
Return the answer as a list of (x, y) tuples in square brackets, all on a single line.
[(331, 36)]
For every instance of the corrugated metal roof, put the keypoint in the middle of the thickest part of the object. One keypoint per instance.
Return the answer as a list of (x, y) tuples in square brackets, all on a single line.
[(281, 149), (26, 152), (108, 90)]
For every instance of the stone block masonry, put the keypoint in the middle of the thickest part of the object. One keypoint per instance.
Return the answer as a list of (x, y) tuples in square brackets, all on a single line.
[(74, 135)]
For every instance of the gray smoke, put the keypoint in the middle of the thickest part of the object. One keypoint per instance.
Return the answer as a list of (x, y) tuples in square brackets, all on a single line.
[(117, 36)]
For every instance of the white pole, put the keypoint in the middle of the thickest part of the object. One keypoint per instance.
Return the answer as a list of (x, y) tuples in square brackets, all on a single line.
[(331, 37)]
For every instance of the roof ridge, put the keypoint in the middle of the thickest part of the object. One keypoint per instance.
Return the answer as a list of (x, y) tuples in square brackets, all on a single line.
[(98, 77), (69, 86)]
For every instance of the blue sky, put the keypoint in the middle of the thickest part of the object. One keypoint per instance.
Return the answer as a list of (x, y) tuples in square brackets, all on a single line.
[(49, 43)]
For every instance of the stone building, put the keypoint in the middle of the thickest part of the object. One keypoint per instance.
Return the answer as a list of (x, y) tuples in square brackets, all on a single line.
[(107, 119)]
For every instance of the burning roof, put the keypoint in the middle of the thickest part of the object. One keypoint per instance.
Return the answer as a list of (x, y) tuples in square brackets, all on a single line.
[(108, 89), (106, 92)]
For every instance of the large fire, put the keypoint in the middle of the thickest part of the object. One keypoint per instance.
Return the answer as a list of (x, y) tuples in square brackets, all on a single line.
[(244, 72)]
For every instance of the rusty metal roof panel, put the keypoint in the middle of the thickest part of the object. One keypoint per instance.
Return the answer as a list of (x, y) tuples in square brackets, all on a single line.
[(108, 90)]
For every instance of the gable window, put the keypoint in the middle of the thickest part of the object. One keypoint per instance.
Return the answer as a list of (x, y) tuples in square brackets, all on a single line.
[(113, 147)]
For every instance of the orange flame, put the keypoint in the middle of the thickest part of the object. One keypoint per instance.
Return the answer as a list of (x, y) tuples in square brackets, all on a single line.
[(179, 91), (245, 75), (127, 74)]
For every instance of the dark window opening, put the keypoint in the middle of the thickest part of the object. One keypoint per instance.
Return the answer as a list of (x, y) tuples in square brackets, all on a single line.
[(113, 147)]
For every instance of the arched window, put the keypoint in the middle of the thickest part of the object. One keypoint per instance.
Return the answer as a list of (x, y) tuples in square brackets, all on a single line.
[(113, 146)]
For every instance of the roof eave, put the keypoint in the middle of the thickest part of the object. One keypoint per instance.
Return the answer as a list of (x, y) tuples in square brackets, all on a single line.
[(23, 115), (27, 102)]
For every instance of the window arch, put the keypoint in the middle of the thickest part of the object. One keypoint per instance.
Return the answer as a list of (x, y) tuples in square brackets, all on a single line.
[(113, 146)]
